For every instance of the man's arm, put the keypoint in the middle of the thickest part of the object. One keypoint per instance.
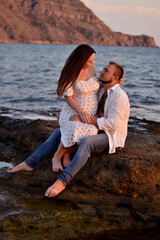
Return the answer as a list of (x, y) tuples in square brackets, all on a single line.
[(119, 109)]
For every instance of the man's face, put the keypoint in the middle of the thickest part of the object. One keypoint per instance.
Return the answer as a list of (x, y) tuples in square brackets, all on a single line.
[(107, 75)]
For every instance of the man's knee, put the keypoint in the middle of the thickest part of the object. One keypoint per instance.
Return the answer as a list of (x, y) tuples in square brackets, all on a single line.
[(87, 142)]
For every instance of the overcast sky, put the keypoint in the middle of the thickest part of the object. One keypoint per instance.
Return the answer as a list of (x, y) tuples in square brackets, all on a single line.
[(134, 17)]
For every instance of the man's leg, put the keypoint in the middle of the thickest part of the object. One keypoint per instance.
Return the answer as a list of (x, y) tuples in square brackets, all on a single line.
[(97, 143), (46, 148)]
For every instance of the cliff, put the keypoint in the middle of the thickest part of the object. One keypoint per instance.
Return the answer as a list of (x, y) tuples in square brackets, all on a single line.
[(59, 22)]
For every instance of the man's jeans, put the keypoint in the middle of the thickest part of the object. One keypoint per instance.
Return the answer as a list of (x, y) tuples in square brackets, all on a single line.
[(96, 143)]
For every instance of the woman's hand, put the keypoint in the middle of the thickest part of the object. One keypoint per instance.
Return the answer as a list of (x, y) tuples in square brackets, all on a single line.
[(85, 117), (78, 119)]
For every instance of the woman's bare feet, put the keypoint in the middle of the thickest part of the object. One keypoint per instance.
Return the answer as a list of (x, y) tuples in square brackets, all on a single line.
[(55, 189), (56, 164), (20, 167), (66, 160)]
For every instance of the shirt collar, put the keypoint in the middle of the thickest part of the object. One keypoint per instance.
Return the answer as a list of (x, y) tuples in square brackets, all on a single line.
[(113, 87)]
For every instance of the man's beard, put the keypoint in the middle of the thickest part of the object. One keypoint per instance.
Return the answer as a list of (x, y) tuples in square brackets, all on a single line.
[(105, 82)]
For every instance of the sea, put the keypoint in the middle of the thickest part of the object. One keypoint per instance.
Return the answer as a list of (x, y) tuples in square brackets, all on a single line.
[(29, 75)]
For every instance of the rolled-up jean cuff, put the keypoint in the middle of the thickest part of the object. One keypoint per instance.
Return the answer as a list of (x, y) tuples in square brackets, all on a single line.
[(62, 180), (30, 163)]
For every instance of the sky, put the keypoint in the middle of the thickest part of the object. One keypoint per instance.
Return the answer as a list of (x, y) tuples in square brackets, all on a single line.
[(135, 17)]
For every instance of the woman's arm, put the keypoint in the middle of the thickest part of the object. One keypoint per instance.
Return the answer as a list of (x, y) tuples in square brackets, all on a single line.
[(85, 117)]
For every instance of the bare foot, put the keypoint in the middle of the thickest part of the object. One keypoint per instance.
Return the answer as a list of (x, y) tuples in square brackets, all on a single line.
[(20, 167), (66, 160), (56, 164), (55, 189)]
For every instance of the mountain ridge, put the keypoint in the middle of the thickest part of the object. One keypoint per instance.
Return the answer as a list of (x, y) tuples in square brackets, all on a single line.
[(59, 22)]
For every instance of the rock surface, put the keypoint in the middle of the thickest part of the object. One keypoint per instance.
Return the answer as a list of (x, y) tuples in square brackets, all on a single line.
[(59, 22), (118, 191)]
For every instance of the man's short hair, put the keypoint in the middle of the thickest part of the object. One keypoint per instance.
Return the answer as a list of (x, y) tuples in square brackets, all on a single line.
[(119, 69)]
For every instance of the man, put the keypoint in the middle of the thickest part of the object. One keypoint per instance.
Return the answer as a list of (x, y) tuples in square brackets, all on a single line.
[(113, 123)]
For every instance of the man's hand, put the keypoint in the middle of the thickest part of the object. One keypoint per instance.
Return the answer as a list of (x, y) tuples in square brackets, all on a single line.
[(120, 81), (94, 122)]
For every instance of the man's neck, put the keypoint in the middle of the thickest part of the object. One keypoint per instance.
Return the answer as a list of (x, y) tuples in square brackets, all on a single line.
[(107, 86)]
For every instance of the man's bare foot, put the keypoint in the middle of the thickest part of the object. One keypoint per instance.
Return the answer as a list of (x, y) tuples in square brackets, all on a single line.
[(66, 160), (55, 189), (20, 167), (56, 164)]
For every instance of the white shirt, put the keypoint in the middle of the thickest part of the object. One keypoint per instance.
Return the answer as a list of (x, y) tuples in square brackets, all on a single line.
[(116, 115)]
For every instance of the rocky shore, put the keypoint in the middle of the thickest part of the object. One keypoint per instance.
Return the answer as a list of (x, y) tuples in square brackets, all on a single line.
[(114, 192)]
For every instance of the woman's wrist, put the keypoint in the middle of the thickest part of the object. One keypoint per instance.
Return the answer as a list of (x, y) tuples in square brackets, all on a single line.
[(81, 113)]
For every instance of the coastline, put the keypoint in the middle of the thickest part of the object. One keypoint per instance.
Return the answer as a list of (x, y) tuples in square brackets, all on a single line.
[(118, 191), (38, 42)]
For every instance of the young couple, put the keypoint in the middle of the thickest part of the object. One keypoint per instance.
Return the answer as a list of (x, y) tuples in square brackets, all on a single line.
[(90, 106)]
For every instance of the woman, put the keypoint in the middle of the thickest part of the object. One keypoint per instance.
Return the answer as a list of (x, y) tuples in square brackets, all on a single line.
[(79, 86)]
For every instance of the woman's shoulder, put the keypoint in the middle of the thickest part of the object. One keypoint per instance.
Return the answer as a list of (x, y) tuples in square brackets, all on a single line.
[(94, 79), (91, 79)]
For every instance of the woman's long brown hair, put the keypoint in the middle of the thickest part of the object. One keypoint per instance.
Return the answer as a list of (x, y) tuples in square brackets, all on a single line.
[(73, 66)]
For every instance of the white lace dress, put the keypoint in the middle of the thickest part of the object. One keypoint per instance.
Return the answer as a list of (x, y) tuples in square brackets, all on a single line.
[(85, 94)]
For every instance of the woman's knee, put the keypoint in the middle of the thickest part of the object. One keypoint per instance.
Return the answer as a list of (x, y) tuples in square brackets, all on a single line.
[(56, 135), (57, 130)]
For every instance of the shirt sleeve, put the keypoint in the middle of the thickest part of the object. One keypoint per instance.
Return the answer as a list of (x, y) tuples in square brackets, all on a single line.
[(69, 91), (100, 122)]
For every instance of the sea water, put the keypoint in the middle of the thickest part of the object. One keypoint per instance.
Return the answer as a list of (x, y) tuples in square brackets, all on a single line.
[(29, 75)]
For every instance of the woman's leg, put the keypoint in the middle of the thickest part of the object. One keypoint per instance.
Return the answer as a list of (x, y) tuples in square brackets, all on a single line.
[(20, 167), (67, 155), (46, 148), (56, 160)]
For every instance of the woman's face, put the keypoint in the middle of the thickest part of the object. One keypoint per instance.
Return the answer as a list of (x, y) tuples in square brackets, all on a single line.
[(90, 61)]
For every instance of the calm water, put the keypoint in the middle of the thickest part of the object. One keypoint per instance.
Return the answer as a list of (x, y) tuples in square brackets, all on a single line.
[(29, 74)]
